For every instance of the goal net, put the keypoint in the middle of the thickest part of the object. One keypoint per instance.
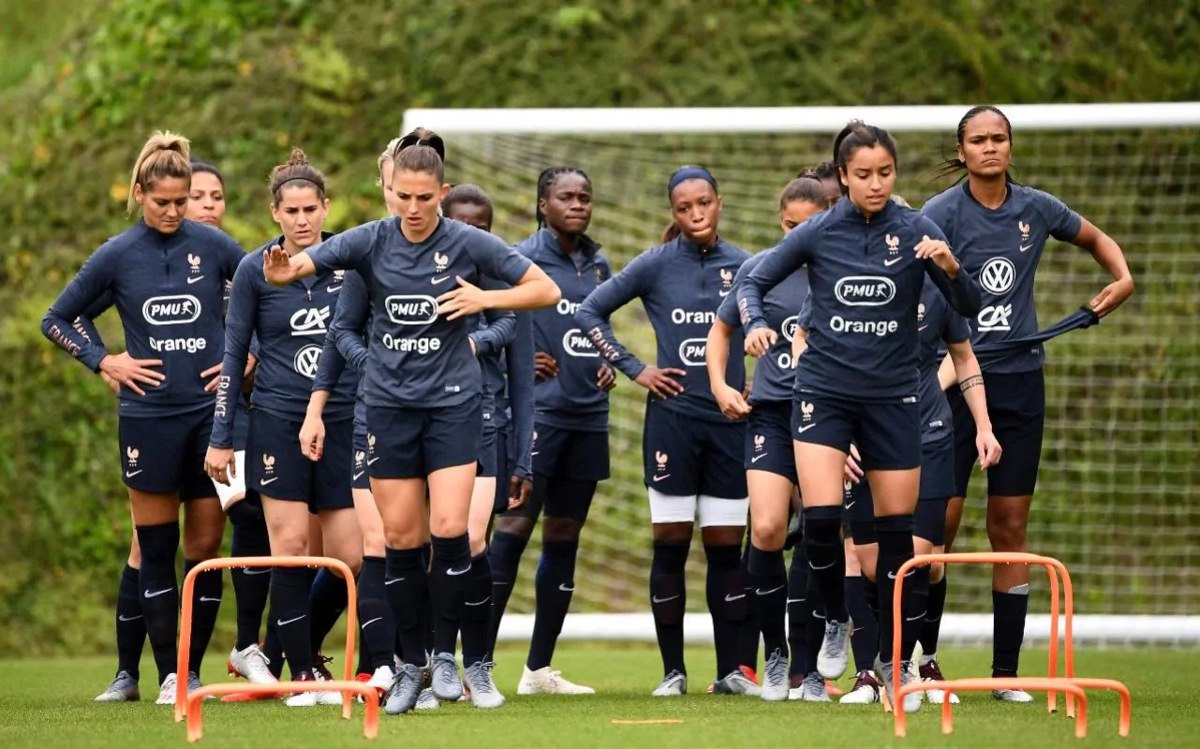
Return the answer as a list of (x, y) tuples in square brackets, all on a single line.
[(1119, 493)]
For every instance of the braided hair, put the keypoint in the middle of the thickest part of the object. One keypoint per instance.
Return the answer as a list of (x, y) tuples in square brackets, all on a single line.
[(546, 180)]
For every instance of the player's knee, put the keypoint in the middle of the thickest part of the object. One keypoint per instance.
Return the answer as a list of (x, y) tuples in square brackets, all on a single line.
[(290, 542), (202, 544), (514, 525), (672, 532), (561, 529), (1006, 532), (767, 534), (937, 572)]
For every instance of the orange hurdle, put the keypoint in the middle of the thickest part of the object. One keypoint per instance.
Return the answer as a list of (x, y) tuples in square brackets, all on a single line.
[(348, 685), (370, 695), (1033, 683)]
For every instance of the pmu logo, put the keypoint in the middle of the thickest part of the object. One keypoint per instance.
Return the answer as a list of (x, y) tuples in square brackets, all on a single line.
[(575, 343), (995, 317), (132, 453), (307, 360), (691, 351), (440, 262), (789, 327), (309, 321), (759, 441), (864, 291), (411, 309), (997, 275), (179, 309)]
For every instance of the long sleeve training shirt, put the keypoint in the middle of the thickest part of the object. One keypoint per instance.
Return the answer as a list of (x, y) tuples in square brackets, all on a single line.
[(681, 287)]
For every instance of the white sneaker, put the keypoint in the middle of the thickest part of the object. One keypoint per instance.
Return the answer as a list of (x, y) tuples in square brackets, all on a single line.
[(1011, 695), (545, 681), (812, 689), (124, 688), (736, 682), (426, 700), (865, 691), (673, 684), (166, 692), (382, 679), (912, 700), (310, 699), (835, 652), (251, 664), (775, 677), (931, 671), (483, 690), (326, 698)]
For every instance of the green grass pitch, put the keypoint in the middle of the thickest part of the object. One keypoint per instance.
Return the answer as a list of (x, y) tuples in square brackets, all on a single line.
[(47, 704)]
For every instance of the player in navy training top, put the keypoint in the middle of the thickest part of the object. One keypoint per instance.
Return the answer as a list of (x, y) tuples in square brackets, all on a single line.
[(423, 390), (768, 458), (290, 325), (166, 276), (571, 450), (692, 454), (857, 379), (999, 229)]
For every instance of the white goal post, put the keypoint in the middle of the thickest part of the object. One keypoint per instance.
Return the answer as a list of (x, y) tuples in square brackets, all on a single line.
[(1118, 486)]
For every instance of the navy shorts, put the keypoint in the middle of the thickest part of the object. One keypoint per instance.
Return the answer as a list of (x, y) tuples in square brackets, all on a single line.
[(276, 468), (489, 459), (929, 520), (165, 455), (769, 440), (570, 453), (858, 512), (241, 426), (1017, 407), (408, 443), (685, 456), (937, 470), (505, 464), (888, 433), (359, 477)]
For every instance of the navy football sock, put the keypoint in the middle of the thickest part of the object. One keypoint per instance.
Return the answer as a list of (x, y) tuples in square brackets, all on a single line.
[(555, 585), (131, 623)]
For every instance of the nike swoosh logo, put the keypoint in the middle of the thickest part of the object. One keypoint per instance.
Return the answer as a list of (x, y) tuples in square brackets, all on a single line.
[(802, 430), (724, 293), (731, 599), (892, 575), (796, 600), (477, 603), (371, 462), (279, 623), (818, 615), (393, 580), (372, 621), (1025, 247), (757, 458), (206, 599), (855, 631), (656, 599), (563, 587), (358, 475), (262, 571), (915, 618), (435, 280), (851, 504), (812, 566), (123, 618), (922, 328), (194, 280), (131, 474), (760, 592), (156, 594), (535, 452), (893, 261), (332, 289), (656, 479), (456, 573), (264, 482)]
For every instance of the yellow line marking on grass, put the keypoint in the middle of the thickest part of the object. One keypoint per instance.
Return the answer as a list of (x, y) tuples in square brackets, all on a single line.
[(647, 722)]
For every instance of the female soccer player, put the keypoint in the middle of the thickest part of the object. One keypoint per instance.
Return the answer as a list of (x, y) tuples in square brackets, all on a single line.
[(768, 459), (166, 276), (692, 454), (423, 387), (1000, 229), (571, 425), (856, 380), (290, 325)]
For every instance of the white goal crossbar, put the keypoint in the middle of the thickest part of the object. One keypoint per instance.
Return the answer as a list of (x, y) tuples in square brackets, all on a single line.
[(794, 119)]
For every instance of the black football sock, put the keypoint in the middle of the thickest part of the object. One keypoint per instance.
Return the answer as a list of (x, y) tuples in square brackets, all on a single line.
[(159, 589), (668, 600), (206, 604), (131, 623), (554, 586)]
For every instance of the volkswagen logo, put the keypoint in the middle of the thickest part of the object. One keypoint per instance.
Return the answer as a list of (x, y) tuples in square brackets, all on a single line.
[(998, 275), (306, 361)]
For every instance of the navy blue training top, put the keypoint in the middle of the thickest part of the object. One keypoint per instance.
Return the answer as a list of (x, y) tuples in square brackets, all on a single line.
[(865, 284), (345, 345), (290, 323), (570, 400), (937, 325), (508, 381), (681, 287), (167, 289), (1001, 249), (775, 374), (417, 358)]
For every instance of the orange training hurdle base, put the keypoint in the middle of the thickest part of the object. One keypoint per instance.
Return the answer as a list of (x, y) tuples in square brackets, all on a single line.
[(1070, 685), (185, 632), (370, 695)]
